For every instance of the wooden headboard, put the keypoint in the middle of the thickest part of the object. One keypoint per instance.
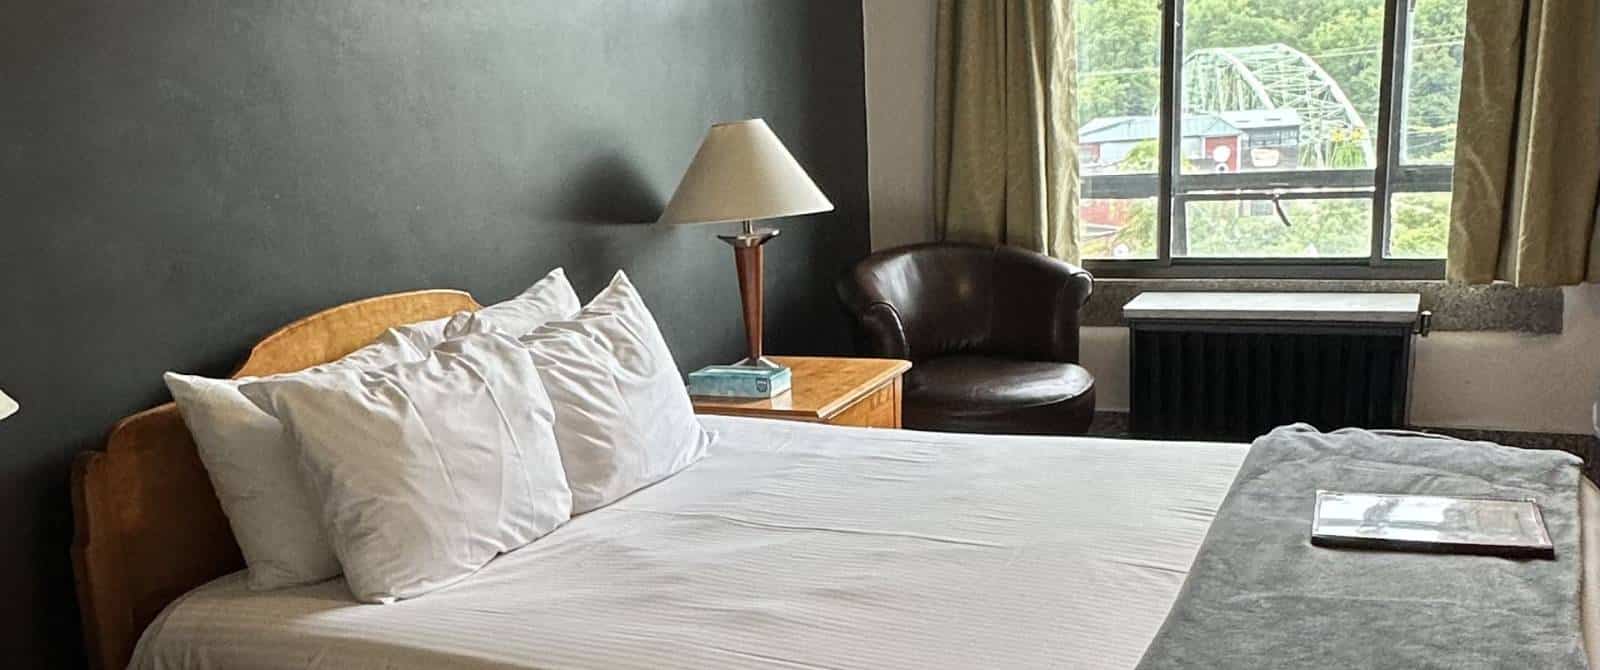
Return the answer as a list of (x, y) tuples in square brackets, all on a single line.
[(148, 524)]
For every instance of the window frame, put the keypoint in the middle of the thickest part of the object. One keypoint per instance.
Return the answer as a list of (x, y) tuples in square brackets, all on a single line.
[(1388, 177)]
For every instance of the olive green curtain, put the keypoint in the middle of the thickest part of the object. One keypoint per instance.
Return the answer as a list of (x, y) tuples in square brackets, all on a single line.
[(1005, 145), (1527, 168)]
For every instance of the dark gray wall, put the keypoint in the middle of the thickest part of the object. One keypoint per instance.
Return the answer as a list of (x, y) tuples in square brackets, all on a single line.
[(178, 177)]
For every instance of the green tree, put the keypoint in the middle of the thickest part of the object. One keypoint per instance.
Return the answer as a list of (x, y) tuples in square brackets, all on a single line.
[(1315, 228), (1119, 57), (1433, 80), (1420, 225)]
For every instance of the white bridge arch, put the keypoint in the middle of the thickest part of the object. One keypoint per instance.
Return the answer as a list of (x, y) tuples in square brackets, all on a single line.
[(1275, 76)]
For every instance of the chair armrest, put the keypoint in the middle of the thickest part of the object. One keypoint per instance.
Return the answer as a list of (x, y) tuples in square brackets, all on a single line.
[(881, 331), (1071, 296), (1037, 302)]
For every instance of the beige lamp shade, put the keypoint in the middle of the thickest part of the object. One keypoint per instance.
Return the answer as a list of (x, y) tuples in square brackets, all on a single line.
[(7, 405), (743, 172)]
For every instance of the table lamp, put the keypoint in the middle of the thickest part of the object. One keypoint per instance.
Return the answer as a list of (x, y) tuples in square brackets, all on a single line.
[(743, 172), (7, 405)]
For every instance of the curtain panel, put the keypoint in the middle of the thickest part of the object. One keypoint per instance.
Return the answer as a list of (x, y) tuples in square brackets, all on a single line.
[(1527, 166), (1005, 146)]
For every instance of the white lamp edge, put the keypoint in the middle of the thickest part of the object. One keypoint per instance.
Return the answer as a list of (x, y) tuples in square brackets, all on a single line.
[(674, 222), (7, 405)]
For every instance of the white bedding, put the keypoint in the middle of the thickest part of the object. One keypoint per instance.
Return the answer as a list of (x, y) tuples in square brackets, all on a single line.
[(790, 546)]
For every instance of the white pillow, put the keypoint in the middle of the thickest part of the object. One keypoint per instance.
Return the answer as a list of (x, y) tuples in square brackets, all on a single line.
[(549, 299), (255, 469), (426, 470), (623, 416), (425, 335)]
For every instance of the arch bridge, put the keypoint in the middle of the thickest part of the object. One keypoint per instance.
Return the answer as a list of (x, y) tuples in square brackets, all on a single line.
[(1275, 76)]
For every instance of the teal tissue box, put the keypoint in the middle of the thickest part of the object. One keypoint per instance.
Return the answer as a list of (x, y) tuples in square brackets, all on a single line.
[(738, 381)]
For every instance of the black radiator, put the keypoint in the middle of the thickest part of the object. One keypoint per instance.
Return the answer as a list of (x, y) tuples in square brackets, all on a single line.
[(1233, 381)]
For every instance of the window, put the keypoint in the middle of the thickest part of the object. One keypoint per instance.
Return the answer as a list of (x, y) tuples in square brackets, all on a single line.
[(1267, 137)]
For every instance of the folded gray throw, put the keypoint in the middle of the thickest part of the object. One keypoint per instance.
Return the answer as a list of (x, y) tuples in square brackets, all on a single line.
[(1261, 596)]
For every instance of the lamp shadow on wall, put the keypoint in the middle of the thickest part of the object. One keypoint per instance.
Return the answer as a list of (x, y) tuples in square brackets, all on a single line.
[(609, 189), (610, 209)]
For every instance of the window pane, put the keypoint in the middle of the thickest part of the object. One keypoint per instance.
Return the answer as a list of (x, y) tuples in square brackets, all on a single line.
[(1253, 229), (1280, 85), (1119, 90), (1419, 225), (1122, 228), (1119, 84), (1433, 81)]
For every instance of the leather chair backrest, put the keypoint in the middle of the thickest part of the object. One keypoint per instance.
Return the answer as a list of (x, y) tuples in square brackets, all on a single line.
[(930, 300), (942, 293)]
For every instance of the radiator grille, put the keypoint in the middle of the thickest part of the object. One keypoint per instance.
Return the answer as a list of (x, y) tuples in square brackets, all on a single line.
[(1231, 382)]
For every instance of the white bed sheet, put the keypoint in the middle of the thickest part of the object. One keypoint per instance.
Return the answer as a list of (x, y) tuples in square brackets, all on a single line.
[(791, 546)]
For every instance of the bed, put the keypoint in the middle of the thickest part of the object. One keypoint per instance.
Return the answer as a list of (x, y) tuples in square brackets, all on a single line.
[(792, 545)]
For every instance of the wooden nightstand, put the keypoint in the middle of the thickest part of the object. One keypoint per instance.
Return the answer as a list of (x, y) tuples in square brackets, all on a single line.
[(839, 391)]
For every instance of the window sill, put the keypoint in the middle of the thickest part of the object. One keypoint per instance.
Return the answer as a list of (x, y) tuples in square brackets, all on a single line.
[(1456, 307), (1273, 269)]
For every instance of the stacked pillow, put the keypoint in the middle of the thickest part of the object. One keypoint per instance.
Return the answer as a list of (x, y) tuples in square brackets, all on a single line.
[(549, 299), (413, 462), (623, 416), (254, 468), (425, 470)]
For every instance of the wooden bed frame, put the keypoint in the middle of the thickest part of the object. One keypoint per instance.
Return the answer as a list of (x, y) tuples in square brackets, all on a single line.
[(148, 524)]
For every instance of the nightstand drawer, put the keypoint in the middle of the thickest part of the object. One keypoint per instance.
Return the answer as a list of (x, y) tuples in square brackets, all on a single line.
[(879, 409)]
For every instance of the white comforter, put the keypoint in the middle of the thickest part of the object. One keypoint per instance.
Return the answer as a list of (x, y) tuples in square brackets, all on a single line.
[(791, 546)]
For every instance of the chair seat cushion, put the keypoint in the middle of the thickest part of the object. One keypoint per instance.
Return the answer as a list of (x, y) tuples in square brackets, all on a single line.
[(999, 395), (979, 384)]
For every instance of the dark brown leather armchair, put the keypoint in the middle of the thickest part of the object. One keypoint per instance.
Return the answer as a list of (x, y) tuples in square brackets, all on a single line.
[(992, 331)]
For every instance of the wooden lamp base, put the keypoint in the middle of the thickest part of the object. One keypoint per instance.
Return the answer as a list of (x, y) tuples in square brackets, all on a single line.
[(747, 258)]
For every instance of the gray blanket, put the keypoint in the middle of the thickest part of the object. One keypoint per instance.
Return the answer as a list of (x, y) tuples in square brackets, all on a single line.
[(1261, 596)]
